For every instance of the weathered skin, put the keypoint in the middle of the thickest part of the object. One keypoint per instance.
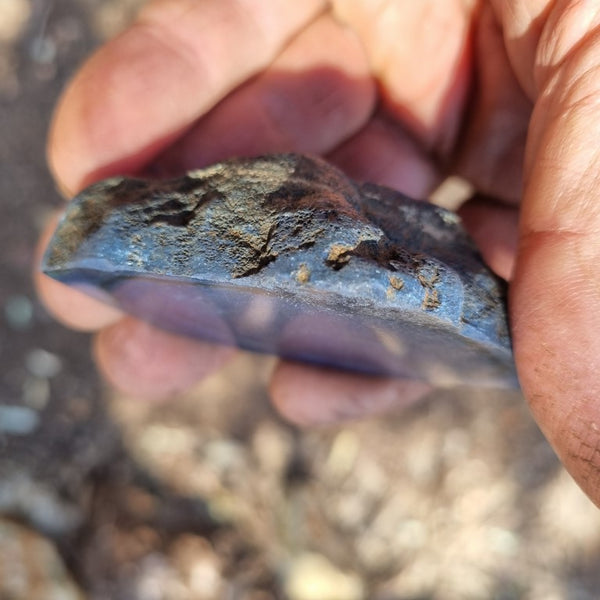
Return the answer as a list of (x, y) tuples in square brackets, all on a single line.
[(284, 254)]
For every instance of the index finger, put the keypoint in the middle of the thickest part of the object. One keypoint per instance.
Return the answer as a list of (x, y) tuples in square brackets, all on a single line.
[(115, 116), (144, 88)]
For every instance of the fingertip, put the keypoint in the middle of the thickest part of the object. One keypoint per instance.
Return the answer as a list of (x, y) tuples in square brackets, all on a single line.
[(309, 396), (73, 308), (144, 362), (98, 129), (383, 153)]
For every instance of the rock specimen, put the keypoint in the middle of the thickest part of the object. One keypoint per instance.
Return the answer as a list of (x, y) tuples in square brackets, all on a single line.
[(284, 254)]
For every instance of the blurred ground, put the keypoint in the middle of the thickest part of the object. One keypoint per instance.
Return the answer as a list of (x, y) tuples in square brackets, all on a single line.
[(212, 496)]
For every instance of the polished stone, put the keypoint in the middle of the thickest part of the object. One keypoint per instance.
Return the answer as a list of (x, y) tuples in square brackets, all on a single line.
[(284, 254)]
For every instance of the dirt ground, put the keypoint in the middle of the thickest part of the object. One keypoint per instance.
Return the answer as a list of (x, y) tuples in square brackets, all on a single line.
[(214, 497)]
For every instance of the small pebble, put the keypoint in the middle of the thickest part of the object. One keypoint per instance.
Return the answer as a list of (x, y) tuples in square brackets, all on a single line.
[(30, 566), (343, 454), (313, 577), (14, 15), (42, 363), (43, 51), (17, 420), (36, 392), (18, 311)]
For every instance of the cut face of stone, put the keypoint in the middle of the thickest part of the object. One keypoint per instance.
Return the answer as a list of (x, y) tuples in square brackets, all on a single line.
[(285, 255)]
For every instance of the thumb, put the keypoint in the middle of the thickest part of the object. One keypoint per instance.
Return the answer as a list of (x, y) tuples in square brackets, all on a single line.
[(555, 296)]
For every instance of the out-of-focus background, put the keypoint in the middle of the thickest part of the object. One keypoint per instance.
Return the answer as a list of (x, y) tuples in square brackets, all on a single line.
[(212, 496)]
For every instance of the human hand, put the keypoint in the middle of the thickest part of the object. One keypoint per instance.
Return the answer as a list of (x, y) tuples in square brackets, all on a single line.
[(400, 93)]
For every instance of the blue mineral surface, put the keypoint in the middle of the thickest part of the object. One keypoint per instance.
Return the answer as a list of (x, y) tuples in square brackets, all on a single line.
[(285, 255)]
